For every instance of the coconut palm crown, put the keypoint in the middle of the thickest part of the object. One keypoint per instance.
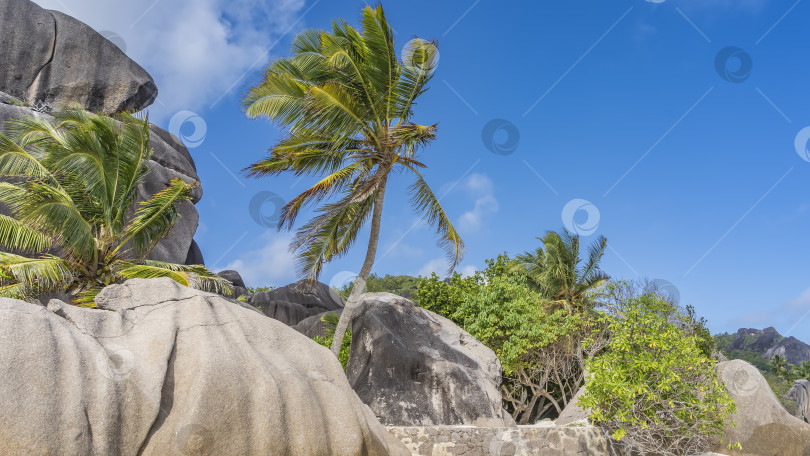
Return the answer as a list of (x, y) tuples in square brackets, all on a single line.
[(346, 101), (557, 272), (70, 184)]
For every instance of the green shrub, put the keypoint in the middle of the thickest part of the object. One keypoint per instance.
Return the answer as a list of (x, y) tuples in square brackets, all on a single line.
[(330, 321), (654, 389), (402, 285)]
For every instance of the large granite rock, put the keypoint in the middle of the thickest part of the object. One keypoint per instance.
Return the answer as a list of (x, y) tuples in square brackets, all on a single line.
[(49, 57), (314, 326), (235, 278), (763, 426), (170, 159), (800, 392), (293, 303), (416, 368), (573, 413), (162, 369)]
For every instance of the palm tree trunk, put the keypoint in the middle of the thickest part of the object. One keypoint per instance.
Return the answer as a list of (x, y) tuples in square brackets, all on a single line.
[(360, 280)]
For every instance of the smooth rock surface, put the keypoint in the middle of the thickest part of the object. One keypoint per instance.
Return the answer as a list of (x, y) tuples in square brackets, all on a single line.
[(293, 303), (800, 392), (572, 412), (161, 369), (416, 368), (49, 57), (239, 287), (763, 426)]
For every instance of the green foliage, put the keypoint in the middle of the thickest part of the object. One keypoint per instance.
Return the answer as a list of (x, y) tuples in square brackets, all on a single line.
[(541, 348), (330, 321), (558, 273), (654, 388), (254, 290), (71, 185), (402, 285)]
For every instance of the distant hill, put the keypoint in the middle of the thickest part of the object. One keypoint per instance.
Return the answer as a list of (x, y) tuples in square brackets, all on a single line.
[(757, 346)]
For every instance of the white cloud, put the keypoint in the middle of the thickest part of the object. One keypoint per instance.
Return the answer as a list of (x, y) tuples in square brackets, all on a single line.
[(272, 264), (480, 187), (438, 265), (196, 50)]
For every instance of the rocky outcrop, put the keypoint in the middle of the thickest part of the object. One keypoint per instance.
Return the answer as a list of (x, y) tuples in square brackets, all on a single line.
[(314, 326), (163, 369), (170, 159), (766, 342), (573, 413), (762, 426), (800, 392), (232, 276), (49, 57), (293, 303), (416, 368)]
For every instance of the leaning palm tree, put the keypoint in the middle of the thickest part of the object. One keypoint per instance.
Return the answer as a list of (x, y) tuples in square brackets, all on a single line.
[(778, 365), (803, 370), (554, 269), (347, 101), (70, 185)]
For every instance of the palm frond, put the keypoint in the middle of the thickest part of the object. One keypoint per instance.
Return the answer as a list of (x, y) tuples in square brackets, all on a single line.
[(424, 201)]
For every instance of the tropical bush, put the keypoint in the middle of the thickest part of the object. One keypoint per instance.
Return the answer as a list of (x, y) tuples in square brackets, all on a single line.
[(330, 321), (402, 285), (542, 347), (654, 389), (71, 185)]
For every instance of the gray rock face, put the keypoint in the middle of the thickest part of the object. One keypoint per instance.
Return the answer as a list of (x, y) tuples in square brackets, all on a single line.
[(239, 288), (416, 368), (768, 342), (572, 412), (314, 325), (800, 392), (163, 369), (763, 426), (170, 159), (295, 302), (53, 58), (194, 255)]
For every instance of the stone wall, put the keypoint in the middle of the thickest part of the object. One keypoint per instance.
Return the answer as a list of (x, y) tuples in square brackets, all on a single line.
[(544, 439)]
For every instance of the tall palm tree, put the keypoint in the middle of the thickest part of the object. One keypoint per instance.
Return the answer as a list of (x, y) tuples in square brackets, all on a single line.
[(347, 103), (71, 185), (554, 269), (803, 370), (778, 365)]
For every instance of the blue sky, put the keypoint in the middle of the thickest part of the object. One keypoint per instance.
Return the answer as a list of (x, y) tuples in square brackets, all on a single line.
[(628, 113)]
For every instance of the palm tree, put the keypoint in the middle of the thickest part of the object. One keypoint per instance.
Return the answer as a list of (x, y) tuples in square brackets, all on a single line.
[(347, 103), (803, 370), (554, 269), (70, 185), (778, 365)]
